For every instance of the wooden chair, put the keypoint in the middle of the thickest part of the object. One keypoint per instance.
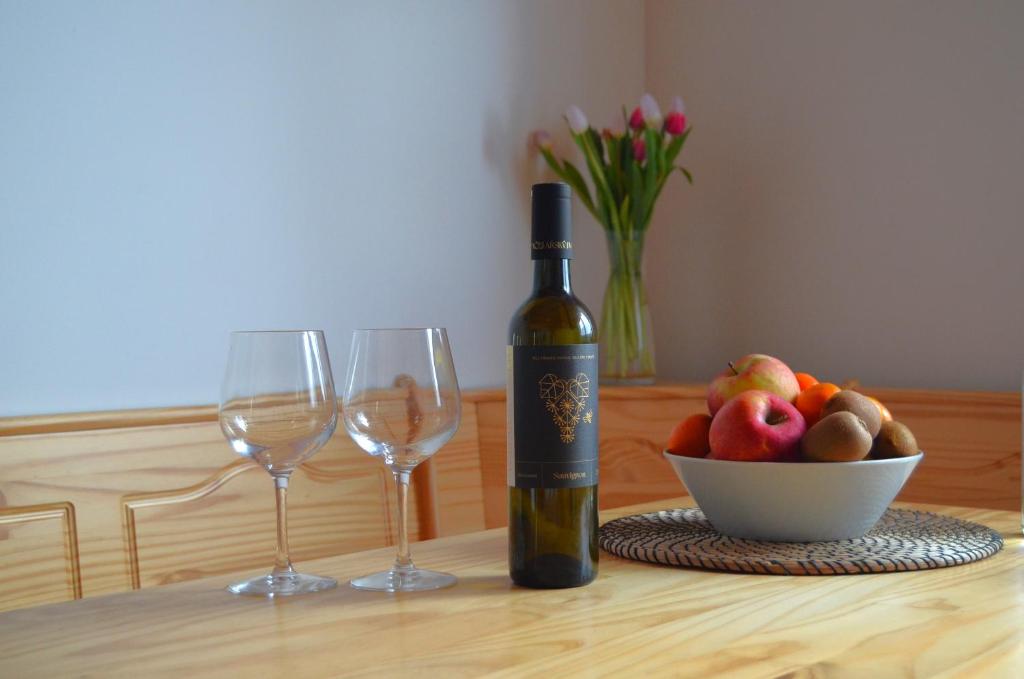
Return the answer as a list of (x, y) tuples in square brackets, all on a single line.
[(104, 502)]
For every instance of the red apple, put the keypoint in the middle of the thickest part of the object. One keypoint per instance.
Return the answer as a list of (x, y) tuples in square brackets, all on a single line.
[(753, 371), (757, 426)]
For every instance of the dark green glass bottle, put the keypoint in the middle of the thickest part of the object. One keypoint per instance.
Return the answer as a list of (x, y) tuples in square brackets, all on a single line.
[(552, 413)]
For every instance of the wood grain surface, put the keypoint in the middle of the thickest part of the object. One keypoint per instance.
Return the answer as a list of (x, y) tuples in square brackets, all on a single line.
[(972, 441), (635, 620)]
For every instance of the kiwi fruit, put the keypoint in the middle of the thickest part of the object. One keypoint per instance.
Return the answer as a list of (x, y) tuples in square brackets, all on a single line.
[(894, 440), (839, 437), (858, 404)]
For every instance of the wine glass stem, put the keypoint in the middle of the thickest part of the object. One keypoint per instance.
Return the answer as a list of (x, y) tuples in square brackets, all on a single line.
[(282, 564), (403, 561)]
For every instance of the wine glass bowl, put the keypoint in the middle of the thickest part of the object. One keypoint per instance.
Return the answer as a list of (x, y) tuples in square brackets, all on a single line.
[(278, 407), (401, 403), (278, 434), (417, 420)]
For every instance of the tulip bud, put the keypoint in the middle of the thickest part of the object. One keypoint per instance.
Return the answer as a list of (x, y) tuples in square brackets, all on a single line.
[(651, 112), (541, 140), (577, 121), (607, 134), (677, 105), (636, 120), (639, 150), (675, 123)]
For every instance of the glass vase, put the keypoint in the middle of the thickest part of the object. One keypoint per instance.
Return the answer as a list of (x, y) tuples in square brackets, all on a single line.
[(626, 338)]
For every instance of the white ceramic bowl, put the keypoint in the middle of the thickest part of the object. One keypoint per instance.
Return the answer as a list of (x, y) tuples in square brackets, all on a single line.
[(793, 501)]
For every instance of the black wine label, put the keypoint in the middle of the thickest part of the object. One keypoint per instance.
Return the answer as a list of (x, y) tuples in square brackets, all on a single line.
[(552, 418)]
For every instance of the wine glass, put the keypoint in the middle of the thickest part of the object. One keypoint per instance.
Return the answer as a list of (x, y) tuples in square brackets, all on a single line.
[(401, 403), (278, 408)]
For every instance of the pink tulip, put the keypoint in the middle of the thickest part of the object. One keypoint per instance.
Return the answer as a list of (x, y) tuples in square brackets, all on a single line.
[(577, 121), (675, 123), (651, 112), (541, 140), (639, 150), (636, 121)]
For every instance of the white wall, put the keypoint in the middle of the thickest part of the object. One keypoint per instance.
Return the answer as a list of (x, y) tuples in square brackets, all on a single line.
[(170, 171), (859, 206)]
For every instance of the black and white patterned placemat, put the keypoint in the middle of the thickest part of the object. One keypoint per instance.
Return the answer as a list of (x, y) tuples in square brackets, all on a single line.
[(903, 540)]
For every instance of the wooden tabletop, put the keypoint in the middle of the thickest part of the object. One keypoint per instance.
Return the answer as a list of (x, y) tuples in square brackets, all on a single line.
[(634, 620)]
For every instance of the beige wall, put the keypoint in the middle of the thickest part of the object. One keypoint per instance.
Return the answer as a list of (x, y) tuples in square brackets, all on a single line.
[(859, 198)]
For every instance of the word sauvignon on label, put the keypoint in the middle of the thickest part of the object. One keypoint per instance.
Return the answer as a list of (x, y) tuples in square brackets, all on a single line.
[(552, 413)]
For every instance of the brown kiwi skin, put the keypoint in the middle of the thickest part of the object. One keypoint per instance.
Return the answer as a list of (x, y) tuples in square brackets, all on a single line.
[(894, 440), (839, 437), (858, 404)]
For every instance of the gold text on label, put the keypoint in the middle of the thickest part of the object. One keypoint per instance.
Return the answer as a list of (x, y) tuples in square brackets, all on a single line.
[(552, 245)]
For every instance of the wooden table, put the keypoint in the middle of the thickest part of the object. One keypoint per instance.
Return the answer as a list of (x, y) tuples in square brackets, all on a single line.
[(635, 620)]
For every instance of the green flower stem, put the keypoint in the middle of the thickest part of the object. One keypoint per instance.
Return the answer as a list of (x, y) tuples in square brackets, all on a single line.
[(627, 351)]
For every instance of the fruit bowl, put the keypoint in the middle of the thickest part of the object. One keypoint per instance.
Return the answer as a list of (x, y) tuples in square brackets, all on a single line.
[(793, 501)]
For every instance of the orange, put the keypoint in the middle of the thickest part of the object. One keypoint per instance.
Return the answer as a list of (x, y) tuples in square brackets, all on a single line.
[(886, 415), (805, 380), (689, 438), (811, 400)]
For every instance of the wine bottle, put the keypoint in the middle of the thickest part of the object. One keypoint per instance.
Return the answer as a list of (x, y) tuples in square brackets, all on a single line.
[(552, 413)]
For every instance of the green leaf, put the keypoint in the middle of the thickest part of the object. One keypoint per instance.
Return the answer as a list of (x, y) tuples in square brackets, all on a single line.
[(654, 200), (579, 185), (575, 180), (636, 186), (571, 176), (615, 177), (552, 162), (650, 176), (674, 147), (604, 201), (595, 139), (659, 152), (625, 157), (657, 193), (624, 212)]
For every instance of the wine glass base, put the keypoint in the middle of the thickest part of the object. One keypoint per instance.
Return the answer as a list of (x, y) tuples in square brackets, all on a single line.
[(413, 580), (289, 584)]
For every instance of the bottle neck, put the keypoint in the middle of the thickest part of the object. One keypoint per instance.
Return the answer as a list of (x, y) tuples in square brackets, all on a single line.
[(551, 275)]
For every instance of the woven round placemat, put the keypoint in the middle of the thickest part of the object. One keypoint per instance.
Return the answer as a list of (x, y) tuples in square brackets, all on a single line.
[(902, 540)]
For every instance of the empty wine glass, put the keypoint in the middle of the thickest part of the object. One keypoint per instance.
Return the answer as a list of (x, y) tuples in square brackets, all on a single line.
[(278, 407), (401, 403)]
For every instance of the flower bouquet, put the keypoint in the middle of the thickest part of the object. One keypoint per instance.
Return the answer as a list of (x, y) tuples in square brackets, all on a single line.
[(628, 171)]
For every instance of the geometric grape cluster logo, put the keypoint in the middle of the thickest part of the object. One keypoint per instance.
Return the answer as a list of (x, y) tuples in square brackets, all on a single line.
[(565, 400)]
